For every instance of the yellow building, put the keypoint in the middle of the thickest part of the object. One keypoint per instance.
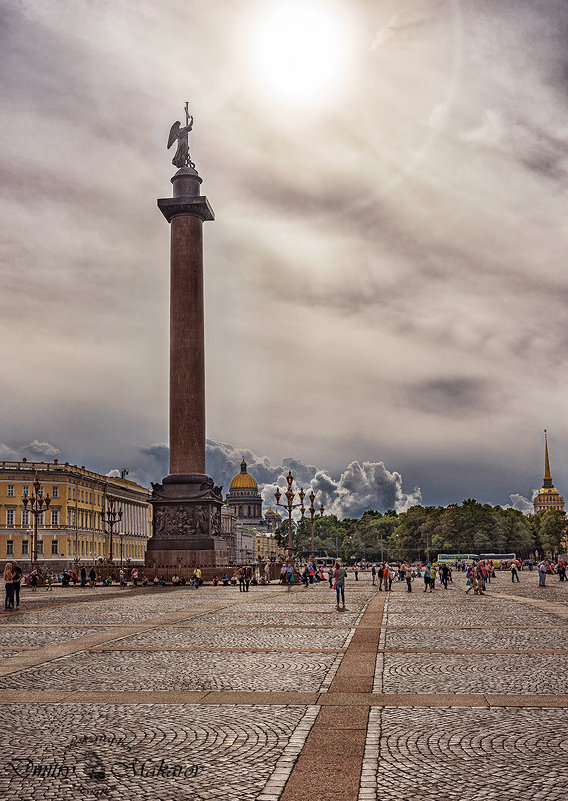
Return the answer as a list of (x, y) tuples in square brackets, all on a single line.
[(74, 530), (267, 549), (548, 497)]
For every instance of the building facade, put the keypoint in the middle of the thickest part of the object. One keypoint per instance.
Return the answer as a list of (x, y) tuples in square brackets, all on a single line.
[(267, 549), (548, 497), (73, 532)]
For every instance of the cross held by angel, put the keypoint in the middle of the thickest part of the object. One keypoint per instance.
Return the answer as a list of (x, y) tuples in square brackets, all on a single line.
[(181, 134)]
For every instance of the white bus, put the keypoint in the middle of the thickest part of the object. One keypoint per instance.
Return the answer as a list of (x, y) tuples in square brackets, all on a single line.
[(468, 558)]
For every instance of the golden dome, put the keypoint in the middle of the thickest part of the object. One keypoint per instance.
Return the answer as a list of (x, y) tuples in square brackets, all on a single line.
[(548, 491), (243, 480), (272, 513)]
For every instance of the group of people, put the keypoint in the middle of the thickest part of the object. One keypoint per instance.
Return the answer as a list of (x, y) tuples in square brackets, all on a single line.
[(12, 580)]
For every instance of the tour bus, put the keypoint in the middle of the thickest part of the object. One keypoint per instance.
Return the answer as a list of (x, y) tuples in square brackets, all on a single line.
[(499, 559), (325, 561), (468, 558)]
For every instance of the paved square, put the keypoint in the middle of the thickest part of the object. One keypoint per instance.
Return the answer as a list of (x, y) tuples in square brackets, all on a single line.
[(173, 693)]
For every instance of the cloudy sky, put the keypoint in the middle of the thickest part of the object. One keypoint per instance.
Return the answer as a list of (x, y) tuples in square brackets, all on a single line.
[(385, 278)]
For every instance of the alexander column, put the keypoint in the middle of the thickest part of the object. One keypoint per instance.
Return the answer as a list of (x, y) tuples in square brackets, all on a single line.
[(187, 504)]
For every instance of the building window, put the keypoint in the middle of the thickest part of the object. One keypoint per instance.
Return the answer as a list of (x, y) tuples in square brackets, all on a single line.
[(10, 547), (25, 491), (54, 547), (24, 547), (40, 546), (55, 517), (249, 511), (41, 519), (55, 492), (25, 517), (10, 491), (240, 511), (9, 517)]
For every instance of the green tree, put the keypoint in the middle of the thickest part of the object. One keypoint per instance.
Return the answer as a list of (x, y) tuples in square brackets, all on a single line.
[(549, 529)]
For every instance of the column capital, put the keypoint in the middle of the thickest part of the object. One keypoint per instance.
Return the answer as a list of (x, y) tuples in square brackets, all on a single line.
[(186, 205)]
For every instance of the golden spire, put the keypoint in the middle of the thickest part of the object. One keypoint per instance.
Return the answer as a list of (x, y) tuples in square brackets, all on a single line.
[(547, 476)]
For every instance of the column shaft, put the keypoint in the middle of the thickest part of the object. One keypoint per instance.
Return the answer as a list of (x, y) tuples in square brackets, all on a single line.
[(187, 348)]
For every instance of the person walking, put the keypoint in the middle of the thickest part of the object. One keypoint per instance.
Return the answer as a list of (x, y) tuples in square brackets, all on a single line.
[(374, 573), (241, 575), (248, 577), (330, 577), (542, 568), (9, 582), (427, 585), (92, 577), (49, 580), (433, 577), (83, 575), (340, 575), (135, 577), (444, 575), (356, 571), (33, 579), (514, 572), (380, 573), (408, 576), (17, 580)]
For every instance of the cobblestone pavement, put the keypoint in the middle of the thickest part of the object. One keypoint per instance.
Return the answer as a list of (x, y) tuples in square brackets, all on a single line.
[(144, 751), (475, 639), (173, 670), (470, 754), (216, 694), (35, 636), (237, 637)]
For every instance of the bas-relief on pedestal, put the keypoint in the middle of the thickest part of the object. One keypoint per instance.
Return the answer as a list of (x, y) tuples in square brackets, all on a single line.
[(187, 523)]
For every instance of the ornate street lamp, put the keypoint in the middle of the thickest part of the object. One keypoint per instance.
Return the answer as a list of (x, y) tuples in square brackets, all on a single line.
[(290, 506), (312, 512), (38, 504), (112, 517)]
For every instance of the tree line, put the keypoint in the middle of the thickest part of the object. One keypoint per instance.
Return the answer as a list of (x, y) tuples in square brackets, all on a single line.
[(424, 531)]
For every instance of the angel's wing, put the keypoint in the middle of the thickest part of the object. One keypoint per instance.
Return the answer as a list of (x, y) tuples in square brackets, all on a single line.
[(174, 131)]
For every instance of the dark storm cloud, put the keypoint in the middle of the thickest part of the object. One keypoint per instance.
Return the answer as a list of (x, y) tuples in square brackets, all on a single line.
[(450, 396), (356, 488)]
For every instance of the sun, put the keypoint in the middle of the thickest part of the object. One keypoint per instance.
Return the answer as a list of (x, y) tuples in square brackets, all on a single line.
[(301, 50)]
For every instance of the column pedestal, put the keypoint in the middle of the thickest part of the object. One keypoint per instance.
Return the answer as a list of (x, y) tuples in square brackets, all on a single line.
[(187, 525)]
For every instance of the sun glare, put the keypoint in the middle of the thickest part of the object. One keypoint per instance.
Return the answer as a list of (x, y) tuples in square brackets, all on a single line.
[(301, 50)]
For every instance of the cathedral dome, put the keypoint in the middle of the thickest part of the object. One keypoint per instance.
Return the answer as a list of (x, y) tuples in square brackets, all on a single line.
[(243, 480)]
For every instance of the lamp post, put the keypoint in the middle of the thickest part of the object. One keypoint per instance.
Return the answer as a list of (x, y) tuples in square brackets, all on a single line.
[(312, 512), (113, 517), (290, 506), (38, 504), (121, 535)]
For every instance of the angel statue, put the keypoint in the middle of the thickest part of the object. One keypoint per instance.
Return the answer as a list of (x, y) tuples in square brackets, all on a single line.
[(181, 158)]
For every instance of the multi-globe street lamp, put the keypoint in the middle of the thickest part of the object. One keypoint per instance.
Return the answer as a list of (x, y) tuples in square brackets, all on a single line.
[(312, 512), (112, 518), (290, 506), (38, 504)]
